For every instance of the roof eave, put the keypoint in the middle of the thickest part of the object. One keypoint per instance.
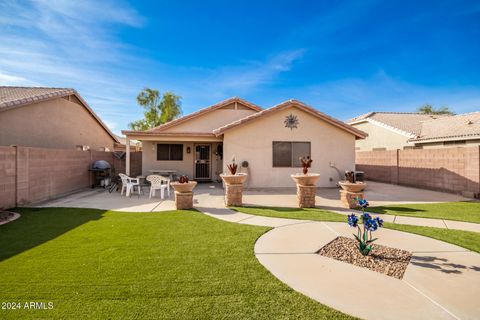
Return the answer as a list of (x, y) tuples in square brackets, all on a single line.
[(79, 97), (447, 138), (204, 111), (293, 103)]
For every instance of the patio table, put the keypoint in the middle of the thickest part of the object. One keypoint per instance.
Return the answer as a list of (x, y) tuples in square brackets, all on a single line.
[(162, 172)]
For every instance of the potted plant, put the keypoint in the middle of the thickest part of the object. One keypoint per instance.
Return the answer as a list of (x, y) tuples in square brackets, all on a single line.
[(350, 185), (305, 178), (183, 185), (234, 177), (233, 184)]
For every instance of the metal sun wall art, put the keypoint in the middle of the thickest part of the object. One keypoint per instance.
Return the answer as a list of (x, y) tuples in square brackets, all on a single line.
[(291, 121)]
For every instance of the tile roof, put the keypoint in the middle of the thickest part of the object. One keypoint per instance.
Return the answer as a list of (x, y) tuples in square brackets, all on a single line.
[(293, 103), (462, 126), (409, 123), (123, 140), (12, 97), (204, 111), (17, 96)]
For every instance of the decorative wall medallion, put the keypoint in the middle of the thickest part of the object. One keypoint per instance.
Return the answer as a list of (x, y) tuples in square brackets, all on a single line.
[(291, 121)]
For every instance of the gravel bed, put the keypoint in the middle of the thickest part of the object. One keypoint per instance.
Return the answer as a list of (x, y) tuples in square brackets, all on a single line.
[(390, 261), (6, 216)]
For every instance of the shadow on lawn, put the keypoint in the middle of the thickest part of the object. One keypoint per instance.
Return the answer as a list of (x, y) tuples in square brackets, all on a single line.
[(393, 210), (39, 225)]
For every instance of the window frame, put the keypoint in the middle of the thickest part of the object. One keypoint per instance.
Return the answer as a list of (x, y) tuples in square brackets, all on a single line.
[(169, 151), (291, 153)]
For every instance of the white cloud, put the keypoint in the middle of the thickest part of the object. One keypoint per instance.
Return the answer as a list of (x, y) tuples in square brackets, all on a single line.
[(207, 86), (71, 44), (7, 79)]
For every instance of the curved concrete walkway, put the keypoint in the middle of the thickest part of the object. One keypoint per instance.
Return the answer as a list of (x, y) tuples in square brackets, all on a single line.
[(442, 280)]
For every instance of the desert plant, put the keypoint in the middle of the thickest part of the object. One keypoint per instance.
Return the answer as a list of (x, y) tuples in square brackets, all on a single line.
[(306, 163), (233, 166), (350, 176), (370, 224)]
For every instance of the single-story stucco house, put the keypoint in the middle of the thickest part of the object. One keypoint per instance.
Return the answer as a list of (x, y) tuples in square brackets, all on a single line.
[(389, 130), (408, 130), (56, 118), (202, 144)]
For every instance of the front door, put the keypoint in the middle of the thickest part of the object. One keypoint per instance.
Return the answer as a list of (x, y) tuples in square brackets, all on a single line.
[(202, 162)]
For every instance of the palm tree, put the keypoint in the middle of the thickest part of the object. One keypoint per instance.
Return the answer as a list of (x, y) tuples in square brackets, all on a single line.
[(429, 109), (157, 110)]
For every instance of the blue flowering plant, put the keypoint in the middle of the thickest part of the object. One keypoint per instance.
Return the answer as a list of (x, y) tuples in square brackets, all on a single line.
[(370, 224)]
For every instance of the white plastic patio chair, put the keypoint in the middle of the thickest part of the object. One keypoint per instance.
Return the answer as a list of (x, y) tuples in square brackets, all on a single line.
[(158, 182), (129, 184)]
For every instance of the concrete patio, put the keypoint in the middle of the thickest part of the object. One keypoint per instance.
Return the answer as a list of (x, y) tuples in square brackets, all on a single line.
[(211, 195)]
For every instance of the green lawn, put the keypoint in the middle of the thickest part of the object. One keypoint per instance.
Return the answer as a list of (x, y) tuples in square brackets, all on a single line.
[(94, 264), (467, 239), (293, 213), (459, 211)]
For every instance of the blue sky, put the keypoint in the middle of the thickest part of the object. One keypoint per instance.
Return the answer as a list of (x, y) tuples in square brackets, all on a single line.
[(343, 57)]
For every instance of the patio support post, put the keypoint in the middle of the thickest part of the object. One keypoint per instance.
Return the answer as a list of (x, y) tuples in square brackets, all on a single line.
[(127, 159)]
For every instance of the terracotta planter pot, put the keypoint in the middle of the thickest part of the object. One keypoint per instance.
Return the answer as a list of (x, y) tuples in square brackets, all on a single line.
[(238, 178), (183, 187), (309, 179), (352, 187)]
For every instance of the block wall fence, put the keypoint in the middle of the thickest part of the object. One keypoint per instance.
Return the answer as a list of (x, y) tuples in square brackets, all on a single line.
[(29, 175), (455, 170)]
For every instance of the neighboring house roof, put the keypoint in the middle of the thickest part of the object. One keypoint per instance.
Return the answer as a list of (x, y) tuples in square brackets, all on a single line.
[(287, 104), (204, 111), (123, 140), (13, 97), (460, 127), (406, 123)]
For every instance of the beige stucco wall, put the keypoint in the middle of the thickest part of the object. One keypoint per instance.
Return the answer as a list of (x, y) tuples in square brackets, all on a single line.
[(212, 120), (56, 123), (379, 137), (185, 167), (253, 142)]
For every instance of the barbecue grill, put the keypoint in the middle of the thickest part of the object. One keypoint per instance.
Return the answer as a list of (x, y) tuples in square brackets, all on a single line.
[(102, 171)]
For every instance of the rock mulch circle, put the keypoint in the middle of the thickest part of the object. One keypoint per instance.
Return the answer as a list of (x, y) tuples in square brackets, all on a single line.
[(7, 216), (389, 261)]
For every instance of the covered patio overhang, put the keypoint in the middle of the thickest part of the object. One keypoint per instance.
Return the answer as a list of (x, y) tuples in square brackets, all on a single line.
[(147, 136)]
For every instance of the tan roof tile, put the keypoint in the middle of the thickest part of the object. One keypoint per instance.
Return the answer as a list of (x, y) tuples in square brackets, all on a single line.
[(461, 126), (410, 123), (204, 111), (15, 96)]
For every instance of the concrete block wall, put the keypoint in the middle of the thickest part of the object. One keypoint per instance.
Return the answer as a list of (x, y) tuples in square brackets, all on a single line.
[(29, 175), (378, 165), (7, 177), (447, 169)]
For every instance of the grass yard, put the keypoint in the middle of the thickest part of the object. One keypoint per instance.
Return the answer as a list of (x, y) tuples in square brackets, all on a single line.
[(467, 239), (293, 213), (459, 211), (94, 264)]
